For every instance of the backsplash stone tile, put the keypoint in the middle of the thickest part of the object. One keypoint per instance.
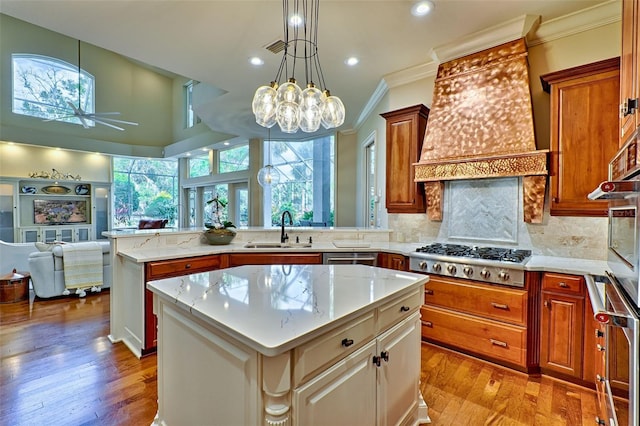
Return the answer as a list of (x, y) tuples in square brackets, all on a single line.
[(489, 212)]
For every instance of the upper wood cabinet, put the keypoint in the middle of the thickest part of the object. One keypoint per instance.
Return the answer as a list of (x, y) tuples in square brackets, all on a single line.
[(584, 127), (629, 74), (405, 133)]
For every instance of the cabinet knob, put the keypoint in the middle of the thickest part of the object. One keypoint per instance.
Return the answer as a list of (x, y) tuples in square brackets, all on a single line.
[(599, 333), (347, 342), (187, 266), (546, 304), (427, 324), (428, 291), (563, 284), (600, 348), (405, 309), (599, 421), (385, 355), (600, 378)]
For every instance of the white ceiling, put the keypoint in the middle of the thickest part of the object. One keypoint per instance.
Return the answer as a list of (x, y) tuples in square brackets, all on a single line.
[(212, 40)]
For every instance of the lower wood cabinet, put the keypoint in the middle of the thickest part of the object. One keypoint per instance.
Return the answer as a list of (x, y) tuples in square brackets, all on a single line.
[(239, 259), (486, 320), (395, 261)]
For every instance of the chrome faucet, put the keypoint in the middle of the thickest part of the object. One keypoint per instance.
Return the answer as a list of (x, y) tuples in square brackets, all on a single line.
[(283, 236)]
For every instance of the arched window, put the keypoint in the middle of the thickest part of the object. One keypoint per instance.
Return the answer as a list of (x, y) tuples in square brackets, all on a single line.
[(46, 87)]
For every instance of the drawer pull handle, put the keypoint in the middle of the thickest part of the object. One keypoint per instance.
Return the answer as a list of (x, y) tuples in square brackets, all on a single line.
[(428, 291), (500, 306), (498, 343), (405, 309), (347, 342), (427, 324), (563, 284), (600, 347), (187, 266)]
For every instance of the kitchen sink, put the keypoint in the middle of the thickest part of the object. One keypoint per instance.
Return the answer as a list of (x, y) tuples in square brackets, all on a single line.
[(259, 245)]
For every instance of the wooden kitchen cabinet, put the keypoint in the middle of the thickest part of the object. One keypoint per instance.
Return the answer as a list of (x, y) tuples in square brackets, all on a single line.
[(562, 325), (398, 262), (239, 259), (583, 139), (487, 320), (629, 73), (405, 133)]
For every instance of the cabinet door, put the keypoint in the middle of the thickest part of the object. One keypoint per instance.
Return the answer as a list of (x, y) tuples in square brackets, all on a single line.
[(8, 211), (345, 394), (561, 334), (83, 234), (399, 349), (584, 125), (66, 234), (405, 133), (30, 235), (629, 74), (49, 235)]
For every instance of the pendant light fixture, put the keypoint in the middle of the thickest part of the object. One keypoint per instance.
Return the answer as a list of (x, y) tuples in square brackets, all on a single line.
[(287, 104), (268, 175)]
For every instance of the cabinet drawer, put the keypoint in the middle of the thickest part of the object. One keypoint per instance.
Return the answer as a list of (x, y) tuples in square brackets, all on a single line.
[(392, 312), (332, 346), (172, 268), (572, 284), (499, 303), (485, 337), (239, 259)]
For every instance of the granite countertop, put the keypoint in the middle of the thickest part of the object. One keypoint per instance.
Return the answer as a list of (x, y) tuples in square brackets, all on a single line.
[(274, 308)]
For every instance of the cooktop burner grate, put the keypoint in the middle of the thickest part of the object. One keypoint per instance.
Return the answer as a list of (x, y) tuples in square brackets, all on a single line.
[(488, 253)]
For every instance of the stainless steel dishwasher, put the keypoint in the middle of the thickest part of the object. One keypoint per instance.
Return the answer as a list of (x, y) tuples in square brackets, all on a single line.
[(350, 258)]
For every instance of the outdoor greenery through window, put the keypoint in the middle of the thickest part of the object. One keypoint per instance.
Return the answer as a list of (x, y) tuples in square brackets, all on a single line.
[(234, 159), (144, 189), (43, 87), (306, 187), (199, 166)]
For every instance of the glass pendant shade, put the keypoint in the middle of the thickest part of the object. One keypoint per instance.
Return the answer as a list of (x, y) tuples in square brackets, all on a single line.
[(268, 175), (333, 112), (311, 109), (288, 117), (264, 106), (289, 92)]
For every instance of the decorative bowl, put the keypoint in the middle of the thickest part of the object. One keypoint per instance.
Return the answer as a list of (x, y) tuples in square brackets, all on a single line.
[(219, 236)]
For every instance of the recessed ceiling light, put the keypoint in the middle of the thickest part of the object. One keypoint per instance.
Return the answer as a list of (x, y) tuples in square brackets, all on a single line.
[(188, 154), (421, 8), (205, 149), (254, 60), (352, 61), (226, 144)]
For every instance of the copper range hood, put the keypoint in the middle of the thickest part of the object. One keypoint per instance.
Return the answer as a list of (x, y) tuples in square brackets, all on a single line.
[(481, 126)]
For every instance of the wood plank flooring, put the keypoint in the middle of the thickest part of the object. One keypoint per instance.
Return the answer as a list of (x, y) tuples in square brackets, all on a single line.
[(57, 367)]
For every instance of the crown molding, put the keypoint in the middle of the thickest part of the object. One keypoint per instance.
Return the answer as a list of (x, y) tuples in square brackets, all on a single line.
[(376, 96), (489, 37), (577, 22), (411, 74)]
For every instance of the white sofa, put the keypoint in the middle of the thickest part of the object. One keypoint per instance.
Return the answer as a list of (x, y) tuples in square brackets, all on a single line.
[(15, 256), (47, 271)]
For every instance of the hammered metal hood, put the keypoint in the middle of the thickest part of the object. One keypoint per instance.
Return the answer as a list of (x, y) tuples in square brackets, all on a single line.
[(481, 126)]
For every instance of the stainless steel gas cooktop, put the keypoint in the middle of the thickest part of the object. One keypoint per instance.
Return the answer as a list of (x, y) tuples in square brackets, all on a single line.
[(495, 265)]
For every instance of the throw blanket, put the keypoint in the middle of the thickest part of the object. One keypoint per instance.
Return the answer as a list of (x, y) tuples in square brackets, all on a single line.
[(82, 265)]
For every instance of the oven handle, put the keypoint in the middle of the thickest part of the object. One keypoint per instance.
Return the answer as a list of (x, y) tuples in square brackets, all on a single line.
[(597, 303)]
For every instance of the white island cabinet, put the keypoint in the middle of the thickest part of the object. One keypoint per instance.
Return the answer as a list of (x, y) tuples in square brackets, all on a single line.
[(290, 345)]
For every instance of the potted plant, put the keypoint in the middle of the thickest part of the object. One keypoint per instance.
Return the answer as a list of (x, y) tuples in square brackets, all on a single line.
[(218, 231)]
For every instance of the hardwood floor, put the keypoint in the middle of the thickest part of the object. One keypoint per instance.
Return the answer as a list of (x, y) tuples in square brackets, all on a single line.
[(59, 368)]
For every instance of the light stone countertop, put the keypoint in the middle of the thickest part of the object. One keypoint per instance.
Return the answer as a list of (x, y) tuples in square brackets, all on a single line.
[(274, 308), (536, 263)]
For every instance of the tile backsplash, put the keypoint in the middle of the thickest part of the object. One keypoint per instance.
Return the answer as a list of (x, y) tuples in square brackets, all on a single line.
[(489, 212)]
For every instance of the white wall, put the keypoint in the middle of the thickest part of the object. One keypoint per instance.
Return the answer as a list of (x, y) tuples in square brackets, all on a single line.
[(17, 160)]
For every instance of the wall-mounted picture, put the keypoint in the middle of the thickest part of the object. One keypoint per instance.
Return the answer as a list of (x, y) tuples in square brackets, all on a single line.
[(58, 212)]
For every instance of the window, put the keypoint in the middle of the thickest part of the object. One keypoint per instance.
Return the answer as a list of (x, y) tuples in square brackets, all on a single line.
[(210, 192), (234, 159), (306, 187), (191, 118), (199, 166), (44, 86), (145, 189)]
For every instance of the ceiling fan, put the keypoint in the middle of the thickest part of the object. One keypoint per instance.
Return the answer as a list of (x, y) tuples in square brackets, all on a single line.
[(95, 117)]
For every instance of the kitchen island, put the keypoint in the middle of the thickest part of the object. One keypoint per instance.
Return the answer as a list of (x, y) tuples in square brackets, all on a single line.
[(289, 345)]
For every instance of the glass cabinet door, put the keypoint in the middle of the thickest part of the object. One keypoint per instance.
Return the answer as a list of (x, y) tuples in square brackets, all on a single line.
[(83, 234), (7, 208), (66, 235), (30, 235), (49, 235)]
